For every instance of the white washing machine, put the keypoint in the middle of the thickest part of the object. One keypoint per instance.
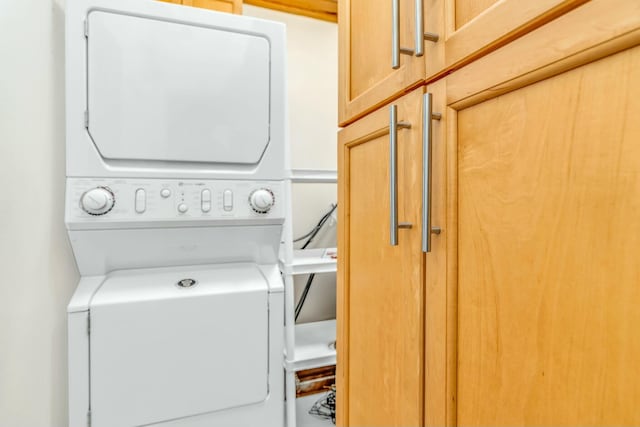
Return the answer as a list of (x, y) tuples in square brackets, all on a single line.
[(176, 154)]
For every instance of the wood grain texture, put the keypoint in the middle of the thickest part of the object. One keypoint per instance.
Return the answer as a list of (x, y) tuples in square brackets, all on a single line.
[(380, 289), (451, 360), (315, 380), (366, 79), (436, 269), (342, 279), (549, 232), (326, 10), (569, 41), (597, 29), (229, 6), (466, 10), (435, 21), (499, 24)]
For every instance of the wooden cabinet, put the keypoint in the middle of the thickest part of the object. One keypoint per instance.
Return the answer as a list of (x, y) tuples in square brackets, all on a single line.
[(531, 292), (542, 198), (367, 77), (456, 32), (548, 203), (381, 297), (230, 6), (474, 28)]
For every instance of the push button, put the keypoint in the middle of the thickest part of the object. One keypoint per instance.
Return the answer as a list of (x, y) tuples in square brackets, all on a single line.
[(205, 199), (227, 200), (141, 200), (165, 192)]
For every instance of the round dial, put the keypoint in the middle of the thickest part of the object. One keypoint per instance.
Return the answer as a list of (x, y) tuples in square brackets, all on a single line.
[(261, 200), (97, 201)]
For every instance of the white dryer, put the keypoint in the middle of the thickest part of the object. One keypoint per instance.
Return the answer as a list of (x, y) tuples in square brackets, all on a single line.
[(176, 154)]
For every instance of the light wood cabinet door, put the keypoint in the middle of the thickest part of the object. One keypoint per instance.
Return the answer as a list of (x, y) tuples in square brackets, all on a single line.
[(456, 32), (538, 254), (469, 29), (380, 294), (367, 79)]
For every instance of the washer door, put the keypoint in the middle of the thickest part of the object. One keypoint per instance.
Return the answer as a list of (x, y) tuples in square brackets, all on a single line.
[(169, 91), (160, 352)]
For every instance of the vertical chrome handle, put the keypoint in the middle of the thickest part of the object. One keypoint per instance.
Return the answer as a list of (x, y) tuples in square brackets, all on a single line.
[(427, 116), (421, 36), (393, 174), (395, 34), (427, 110), (419, 28), (394, 125)]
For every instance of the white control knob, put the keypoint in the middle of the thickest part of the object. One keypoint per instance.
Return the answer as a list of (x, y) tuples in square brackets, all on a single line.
[(97, 201), (261, 200), (183, 208)]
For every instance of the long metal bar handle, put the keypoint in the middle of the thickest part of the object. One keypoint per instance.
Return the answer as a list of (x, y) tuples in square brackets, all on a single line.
[(394, 125), (393, 174), (421, 36), (427, 117), (419, 28), (395, 34)]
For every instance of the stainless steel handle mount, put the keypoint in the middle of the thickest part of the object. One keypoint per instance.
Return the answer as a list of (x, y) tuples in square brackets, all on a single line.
[(427, 116), (421, 36), (394, 125)]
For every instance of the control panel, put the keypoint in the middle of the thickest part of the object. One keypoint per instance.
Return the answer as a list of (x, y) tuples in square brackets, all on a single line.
[(108, 200)]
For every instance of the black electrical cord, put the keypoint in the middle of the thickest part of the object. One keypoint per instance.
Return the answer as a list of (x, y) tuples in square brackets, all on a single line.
[(303, 297), (318, 227), (312, 234)]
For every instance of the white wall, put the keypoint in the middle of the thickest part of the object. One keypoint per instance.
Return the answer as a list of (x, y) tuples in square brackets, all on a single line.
[(313, 119), (37, 273)]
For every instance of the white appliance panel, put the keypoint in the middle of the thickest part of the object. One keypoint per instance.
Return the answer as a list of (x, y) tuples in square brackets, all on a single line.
[(165, 91), (160, 352), (155, 202)]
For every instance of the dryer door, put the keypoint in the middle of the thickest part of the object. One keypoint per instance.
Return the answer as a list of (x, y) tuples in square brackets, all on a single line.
[(161, 90), (159, 351)]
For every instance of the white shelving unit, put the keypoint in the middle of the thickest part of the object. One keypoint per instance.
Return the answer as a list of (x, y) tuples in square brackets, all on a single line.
[(308, 345), (307, 261), (315, 345), (314, 176)]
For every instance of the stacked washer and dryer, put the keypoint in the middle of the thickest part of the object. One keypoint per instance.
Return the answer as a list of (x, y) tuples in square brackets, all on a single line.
[(176, 156)]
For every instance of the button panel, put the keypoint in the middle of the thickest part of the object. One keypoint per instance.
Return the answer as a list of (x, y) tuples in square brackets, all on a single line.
[(162, 200)]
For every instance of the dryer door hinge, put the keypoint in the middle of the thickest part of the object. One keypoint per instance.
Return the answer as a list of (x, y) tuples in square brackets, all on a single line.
[(86, 119), (86, 28)]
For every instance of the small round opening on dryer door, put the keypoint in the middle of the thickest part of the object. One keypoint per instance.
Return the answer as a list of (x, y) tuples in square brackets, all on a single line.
[(186, 283)]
